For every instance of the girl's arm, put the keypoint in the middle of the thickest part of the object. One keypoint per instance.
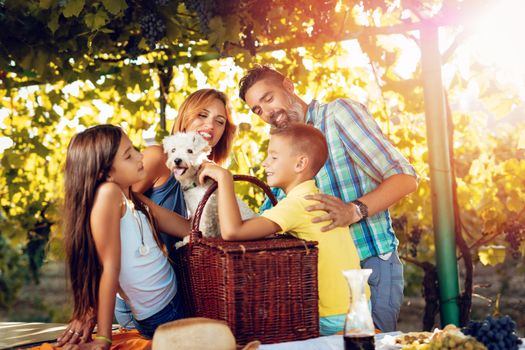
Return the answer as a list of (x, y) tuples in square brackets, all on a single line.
[(167, 220), (105, 228), (157, 173), (232, 226)]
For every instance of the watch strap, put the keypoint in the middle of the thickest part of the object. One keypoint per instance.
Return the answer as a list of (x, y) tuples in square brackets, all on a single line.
[(362, 208)]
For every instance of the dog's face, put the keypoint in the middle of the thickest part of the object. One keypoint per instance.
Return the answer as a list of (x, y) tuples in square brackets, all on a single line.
[(186, 152)]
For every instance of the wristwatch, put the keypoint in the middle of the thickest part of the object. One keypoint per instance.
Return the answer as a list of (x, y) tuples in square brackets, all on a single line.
[(361, 208)]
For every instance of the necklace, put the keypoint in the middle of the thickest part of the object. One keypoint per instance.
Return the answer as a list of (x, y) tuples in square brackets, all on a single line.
[(143, 249)]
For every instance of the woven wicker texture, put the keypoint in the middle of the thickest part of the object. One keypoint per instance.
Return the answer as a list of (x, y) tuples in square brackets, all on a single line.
[(265, 290)]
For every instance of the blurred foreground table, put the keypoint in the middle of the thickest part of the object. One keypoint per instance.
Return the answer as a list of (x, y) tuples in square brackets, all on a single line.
[(23, 334)]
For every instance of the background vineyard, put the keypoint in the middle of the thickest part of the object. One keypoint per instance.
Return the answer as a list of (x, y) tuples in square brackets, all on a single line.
[(111, 61)]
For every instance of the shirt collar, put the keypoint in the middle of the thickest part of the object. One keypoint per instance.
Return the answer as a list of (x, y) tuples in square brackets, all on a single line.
[(310, 113), (304, 188)]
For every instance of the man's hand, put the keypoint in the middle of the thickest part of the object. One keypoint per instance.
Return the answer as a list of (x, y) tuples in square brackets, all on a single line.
[(78, 331), (339, 213)]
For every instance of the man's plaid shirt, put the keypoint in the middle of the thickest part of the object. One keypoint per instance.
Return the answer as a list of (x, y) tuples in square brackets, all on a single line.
[(360, 158)]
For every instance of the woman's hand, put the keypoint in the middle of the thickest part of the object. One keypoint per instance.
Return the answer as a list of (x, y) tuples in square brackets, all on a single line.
[(78, 331)]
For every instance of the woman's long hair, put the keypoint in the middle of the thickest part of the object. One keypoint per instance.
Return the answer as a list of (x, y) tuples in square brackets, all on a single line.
[(89, 160), (190, 109)]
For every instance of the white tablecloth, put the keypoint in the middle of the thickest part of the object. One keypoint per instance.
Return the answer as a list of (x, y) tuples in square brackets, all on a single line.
[(333, 342)]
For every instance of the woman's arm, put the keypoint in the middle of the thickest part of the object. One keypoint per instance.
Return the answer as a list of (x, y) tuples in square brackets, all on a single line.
[(167, 220), (232, 226), (155, 167)]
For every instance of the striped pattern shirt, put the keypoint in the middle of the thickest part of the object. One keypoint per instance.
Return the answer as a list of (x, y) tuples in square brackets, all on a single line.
[(360, 157)]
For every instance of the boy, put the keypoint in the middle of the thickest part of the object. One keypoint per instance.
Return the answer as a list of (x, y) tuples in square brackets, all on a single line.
[(295, 155)]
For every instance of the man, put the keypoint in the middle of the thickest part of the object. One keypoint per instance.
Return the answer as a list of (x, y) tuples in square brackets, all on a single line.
[(363, 176)]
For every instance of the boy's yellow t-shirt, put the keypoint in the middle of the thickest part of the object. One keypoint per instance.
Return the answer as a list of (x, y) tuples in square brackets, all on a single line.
[(337, 251)]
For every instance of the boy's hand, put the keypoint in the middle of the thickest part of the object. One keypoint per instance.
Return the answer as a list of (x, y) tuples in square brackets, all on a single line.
[(214, 172)]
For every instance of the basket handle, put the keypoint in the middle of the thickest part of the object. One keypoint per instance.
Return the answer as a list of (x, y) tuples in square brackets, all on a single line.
[(195, 233)]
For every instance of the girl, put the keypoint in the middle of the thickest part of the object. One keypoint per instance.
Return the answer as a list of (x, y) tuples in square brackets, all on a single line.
[(111, 240)]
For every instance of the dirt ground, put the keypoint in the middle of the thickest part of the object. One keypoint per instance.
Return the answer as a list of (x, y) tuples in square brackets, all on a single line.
[(50, 301)]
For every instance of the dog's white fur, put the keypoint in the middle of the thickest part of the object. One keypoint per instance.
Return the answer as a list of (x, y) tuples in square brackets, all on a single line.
[(186, 152)]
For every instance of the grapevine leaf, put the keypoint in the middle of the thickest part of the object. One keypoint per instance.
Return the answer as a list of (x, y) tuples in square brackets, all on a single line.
[(491, 255), (73, 8), (218, 32), (53, 22), (114, 6), (95, 21), (46, 4)]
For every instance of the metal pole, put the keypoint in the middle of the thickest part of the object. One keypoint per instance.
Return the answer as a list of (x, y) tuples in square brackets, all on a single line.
[(440, 176)]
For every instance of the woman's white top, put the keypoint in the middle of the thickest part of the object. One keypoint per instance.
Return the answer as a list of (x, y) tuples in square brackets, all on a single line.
[(148, 281)]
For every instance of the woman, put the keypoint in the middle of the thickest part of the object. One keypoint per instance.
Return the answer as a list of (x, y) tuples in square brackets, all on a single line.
[(206, 111)]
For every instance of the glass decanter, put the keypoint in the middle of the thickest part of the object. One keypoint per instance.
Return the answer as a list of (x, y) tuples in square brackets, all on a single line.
[(359, 327)]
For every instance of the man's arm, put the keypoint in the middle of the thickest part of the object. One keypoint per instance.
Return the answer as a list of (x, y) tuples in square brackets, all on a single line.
[(371, 150), (343, 214), (232, 226)]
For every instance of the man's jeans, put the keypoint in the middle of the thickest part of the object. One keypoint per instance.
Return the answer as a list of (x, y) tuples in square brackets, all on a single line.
[(386, 287)]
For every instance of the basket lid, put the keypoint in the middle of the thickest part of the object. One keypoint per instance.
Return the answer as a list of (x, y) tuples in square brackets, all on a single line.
[(281, 242)]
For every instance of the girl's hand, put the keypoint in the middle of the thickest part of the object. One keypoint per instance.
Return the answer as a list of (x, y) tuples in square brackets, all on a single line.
[(212, 171), (78, 331)]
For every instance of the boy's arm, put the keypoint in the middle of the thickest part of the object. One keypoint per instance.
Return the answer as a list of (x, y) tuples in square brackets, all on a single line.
[(232, 226)]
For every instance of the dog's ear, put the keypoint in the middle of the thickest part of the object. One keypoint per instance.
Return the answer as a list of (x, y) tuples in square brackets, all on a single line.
[(166, 143)]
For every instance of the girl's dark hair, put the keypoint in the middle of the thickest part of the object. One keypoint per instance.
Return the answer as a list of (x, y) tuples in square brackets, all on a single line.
[(89, 159)]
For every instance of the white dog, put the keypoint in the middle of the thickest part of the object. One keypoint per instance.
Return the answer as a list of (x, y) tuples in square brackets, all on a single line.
[(186, 152)]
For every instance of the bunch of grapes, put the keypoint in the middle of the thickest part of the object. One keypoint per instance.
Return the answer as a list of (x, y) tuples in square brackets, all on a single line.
[(414, 238), (495, 333), (153, 28), (160, 2), (514, 235), (205, 11)]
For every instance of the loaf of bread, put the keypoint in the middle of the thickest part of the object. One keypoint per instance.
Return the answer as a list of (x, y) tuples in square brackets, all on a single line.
[(197, 333)]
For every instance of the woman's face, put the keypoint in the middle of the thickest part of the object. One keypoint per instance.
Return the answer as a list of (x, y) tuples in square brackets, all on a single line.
[(210, 122)]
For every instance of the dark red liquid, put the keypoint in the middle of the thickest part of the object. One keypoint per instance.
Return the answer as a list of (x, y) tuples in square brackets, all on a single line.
[(359, 343)]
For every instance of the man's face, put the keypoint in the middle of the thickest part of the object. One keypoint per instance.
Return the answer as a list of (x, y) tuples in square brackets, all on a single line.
[(275, 104)]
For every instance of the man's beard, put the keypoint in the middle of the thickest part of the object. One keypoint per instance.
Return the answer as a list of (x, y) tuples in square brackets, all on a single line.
[(293, 114)]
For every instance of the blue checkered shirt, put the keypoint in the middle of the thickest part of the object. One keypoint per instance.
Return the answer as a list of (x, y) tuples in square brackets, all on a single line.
[(360, 158)]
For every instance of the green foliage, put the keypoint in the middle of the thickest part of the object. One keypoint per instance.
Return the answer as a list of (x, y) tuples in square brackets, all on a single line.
[(93, 65), (13, 271)]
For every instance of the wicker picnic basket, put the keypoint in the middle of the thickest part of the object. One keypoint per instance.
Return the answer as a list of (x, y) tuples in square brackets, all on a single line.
[(265, 290)]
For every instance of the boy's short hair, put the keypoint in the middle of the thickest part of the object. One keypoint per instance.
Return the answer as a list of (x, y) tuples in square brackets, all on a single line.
[(257, 73), (306, 139)]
